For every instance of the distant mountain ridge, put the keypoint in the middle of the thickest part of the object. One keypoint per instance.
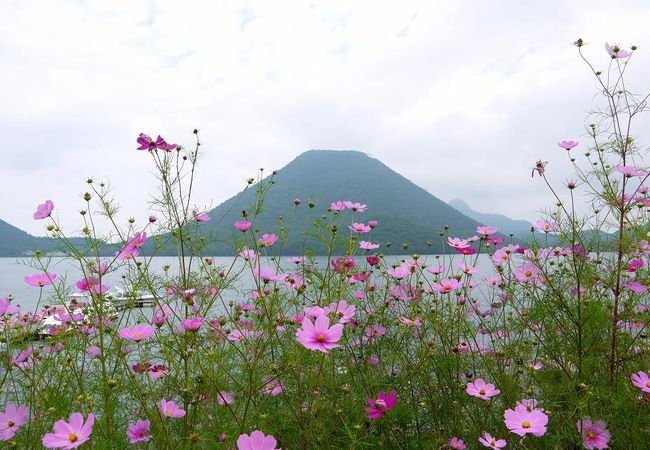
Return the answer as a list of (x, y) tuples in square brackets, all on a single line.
[(505, 224), (409, 218)]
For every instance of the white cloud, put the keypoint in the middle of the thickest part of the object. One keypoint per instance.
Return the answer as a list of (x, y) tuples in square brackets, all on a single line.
[(453, 95)]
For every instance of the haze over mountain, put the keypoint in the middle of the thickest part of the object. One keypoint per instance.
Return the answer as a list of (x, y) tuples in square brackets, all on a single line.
[(506, 225)]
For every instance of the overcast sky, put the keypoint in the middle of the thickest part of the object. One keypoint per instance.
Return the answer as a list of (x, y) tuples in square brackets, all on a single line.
[(461, 97)]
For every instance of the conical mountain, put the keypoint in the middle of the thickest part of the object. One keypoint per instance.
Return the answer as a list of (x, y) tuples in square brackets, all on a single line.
[(406, 213)]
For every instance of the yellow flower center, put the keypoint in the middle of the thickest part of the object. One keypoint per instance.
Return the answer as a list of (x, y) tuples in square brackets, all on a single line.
[(320, 338), (591, 435), (72, 437), (528, 273), (137, 335), (493, 442), (10, 424), (482, 392), (647, 384), (168, 412), (526, 424)]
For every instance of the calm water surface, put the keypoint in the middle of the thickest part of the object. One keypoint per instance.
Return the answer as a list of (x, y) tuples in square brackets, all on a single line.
[(14, 270)]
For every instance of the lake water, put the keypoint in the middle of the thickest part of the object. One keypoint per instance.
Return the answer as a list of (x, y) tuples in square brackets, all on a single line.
[(13, 272)]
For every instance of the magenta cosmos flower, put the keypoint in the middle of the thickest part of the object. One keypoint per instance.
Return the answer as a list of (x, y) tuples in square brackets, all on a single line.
[(171, 409), (457, 444), (92, 284), (642, 381), (40, 279), (243, 225), (319, 335), (521, 421), (594, 435), (138, 432), (43, 210), (567, 145), (256, 441), (132, 248), (383, 403), (70, 434), (11, 419), (481, 389), (139, 332), (487, 440), (146, 143)]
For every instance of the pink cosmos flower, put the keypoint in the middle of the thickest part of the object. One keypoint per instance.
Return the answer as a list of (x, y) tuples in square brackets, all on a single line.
[(521, 421), (488, 441), (256, 441), (138, 431), (138, 333), (248, 254), (383, 403), (457, 242), (267, 240), (43, 210), (635, 264), (486, 230), (337, 206), (343, 264), (481, 389), (91, 284), (616, 52), (146, 143), (40, 279), (7, 308), (11, 419), (642, 381), (243, 225), (446, 285), (319, 335), (546, 226), (527, 272), (567, 145), (457, 444), (630, 171), (636, 287), (359, 228), (272, 387), (192, 324), (342, 311), (132, 247), (171, 409), (225, 398), (373, 224), (399, 272), (540, 168), (200, 217), (158, 371), (70, 434), (356, 207), (365, 245), (594, 435), (267, 274)]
